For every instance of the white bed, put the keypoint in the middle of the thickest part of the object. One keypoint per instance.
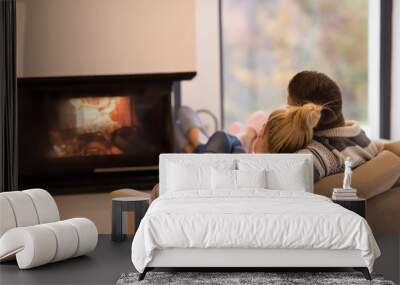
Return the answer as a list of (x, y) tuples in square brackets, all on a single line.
[(238, 210)]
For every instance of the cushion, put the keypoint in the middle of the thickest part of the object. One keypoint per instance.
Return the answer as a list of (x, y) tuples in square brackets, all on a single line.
[(182, 177), (45, 205), (87, 233), (251, 178), (128, 192), (32, 246), (227, 179), (7, 220), (393, 147), (223, 179), (199, 166), (194, 171), (281, 174), (66, 237), (23, 208), (280, 180), (27, 208)]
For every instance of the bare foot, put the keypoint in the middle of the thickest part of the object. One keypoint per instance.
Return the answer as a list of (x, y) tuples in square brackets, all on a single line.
[(188, 148), (196, 137), (247, 138)]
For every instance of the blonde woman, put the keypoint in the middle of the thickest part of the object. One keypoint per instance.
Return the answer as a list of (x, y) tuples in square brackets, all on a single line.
[(286, 131)]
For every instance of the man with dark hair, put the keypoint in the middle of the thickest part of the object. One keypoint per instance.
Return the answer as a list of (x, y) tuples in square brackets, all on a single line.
[(315, 87), (335, 139)]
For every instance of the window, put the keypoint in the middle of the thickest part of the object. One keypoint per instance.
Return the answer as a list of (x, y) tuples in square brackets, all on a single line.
[(266, 42)]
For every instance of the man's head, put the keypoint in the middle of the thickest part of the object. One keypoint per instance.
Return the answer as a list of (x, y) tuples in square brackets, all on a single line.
[(315, 87)]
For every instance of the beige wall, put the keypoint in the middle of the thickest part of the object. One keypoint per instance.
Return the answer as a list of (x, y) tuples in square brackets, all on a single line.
[(96, 207), (102, 37), (203, 92)]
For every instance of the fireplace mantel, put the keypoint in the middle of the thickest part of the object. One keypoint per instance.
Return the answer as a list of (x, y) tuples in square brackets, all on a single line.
[(143, 77)]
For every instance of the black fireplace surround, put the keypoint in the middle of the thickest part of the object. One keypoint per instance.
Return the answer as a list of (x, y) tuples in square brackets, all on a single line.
[(94, 134)]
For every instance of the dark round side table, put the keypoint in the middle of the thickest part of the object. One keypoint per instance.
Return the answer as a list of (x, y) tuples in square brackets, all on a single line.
[(138, 205), (357, 205)]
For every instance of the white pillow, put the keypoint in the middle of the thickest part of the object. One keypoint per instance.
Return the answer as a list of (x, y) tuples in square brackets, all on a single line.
[(251, 178), (223, 179), (227, 179), (293, 181), (182, 177), (281, 174)]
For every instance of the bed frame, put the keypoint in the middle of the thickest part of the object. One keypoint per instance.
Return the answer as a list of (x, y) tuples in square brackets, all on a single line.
[(260, 259)]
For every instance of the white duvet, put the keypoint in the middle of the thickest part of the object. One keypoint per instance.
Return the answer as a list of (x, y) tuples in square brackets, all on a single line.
[(250, 219)]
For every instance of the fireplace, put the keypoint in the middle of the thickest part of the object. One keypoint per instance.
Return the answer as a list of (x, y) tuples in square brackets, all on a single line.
[(86, 134)]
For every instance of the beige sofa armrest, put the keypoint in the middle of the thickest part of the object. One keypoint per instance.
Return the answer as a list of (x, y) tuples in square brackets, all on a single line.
[(155, 192), (393, 147), (383, 212), (370, 179), (325, 185)]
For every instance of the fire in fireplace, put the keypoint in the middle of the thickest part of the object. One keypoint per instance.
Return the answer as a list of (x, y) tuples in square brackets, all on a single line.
[(94, 126)]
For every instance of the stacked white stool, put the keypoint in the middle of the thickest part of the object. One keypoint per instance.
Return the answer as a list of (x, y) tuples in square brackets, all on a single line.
[(31, 230)]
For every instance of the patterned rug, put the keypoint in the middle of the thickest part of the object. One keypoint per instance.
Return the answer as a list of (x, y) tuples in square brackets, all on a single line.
[(243, 278)]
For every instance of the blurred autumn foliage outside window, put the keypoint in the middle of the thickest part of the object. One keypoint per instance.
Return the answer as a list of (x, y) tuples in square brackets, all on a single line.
[(266, 42)]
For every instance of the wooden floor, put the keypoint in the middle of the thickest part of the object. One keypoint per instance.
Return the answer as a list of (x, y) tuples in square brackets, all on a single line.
[(103, 266)]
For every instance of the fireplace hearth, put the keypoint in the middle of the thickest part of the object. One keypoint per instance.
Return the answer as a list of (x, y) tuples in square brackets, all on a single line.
[(85, 134)]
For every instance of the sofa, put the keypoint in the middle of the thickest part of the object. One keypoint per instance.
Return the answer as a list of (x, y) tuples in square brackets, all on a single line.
[(378, 181)]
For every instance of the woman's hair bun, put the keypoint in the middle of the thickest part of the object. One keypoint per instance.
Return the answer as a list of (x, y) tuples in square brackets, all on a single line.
[(291, 129), (310, 114)]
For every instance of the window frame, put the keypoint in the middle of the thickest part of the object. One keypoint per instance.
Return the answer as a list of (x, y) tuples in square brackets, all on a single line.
[(385, 88)]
